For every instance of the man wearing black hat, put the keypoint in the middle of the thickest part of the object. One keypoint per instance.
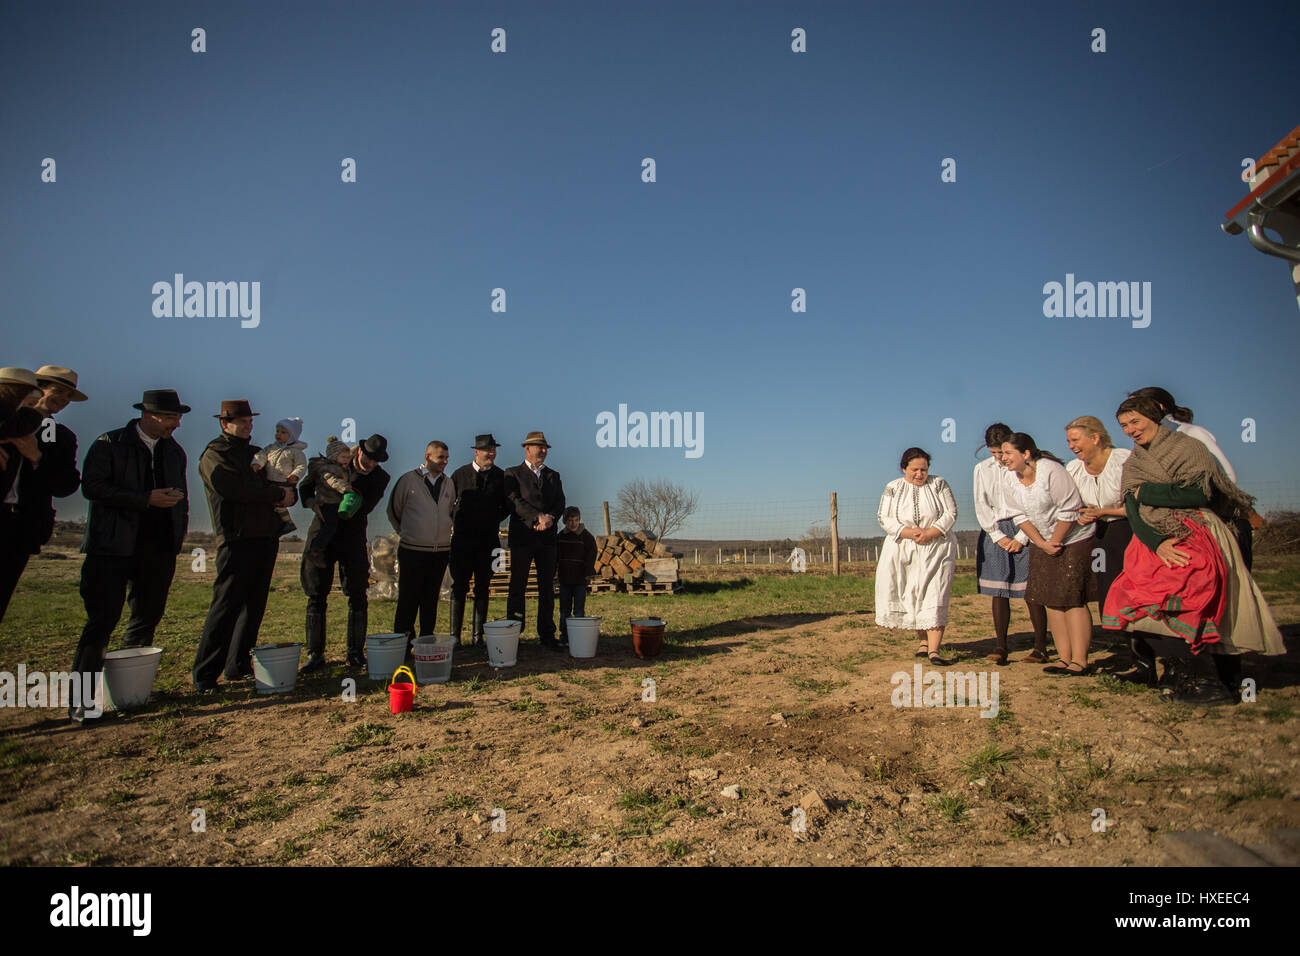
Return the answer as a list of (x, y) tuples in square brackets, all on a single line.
[(348, 549), (34, 470), (134, 479), (242, 503), (479, 509), (536, 497)]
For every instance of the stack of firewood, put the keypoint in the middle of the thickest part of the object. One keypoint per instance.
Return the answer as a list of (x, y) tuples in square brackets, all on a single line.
[(635, 560)]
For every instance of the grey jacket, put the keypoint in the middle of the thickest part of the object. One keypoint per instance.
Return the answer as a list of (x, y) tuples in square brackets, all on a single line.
[(422, 523)]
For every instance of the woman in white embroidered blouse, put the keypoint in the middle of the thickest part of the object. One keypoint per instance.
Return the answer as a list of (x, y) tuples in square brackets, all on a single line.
[(917, 562), (1047, 505), (1001, 558)]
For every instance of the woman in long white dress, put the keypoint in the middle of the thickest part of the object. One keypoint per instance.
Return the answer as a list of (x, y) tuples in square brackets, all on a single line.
[(914, 576)]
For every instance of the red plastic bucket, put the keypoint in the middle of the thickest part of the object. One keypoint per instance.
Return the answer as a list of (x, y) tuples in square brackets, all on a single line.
[(401, 697), (647, 637)]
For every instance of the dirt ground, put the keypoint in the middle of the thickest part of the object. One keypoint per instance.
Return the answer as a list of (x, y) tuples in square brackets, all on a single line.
[(559, 761)]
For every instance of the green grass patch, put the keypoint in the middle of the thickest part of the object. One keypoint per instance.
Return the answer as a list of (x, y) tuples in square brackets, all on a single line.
[(987, 759)]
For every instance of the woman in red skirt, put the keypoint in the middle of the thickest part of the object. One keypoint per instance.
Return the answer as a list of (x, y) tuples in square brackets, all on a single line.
[(1176, 571)]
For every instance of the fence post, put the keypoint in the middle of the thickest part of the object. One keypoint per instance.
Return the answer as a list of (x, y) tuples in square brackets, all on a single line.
[(697, 555), (607, 531), (769, 555), (719, 556), (835, 537)]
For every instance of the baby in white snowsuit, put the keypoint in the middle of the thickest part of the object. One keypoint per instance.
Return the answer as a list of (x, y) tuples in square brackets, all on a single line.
[(285, 462)]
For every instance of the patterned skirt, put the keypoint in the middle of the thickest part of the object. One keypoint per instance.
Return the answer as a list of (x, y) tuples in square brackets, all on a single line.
[(1000, 573), (1062, 579)]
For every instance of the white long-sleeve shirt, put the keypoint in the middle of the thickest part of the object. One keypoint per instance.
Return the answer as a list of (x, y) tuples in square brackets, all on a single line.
[(990, 501), (1051, 498), (905, 505), (1101, 491), (1203, 436)]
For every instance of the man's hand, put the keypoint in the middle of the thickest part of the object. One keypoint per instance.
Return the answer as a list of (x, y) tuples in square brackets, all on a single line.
[(27, 448), (165, 498), (257, 466), (289, 497)]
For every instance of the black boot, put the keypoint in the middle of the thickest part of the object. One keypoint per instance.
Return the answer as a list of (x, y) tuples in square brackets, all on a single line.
[(1228, 668), (1144, 663), (457, 617), (315, 634), (356, 637), (480, 618)]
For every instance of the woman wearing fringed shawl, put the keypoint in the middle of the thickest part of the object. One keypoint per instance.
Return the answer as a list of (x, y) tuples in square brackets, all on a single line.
[(1183, 571)]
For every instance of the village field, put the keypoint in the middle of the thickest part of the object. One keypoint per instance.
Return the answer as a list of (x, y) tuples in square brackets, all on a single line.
[(772, 739)]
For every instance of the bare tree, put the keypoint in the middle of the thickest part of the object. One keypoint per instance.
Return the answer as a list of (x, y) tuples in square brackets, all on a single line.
[(656, 507), (817, 537)]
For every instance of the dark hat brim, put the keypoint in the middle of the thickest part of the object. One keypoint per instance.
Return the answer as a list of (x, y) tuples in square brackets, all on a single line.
[(178, 410)]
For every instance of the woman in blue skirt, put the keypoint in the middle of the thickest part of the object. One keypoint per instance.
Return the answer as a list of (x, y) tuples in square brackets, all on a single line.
[(1002, 560)]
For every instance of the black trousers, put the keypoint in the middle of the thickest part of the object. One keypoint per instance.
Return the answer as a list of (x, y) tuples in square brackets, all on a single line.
[(354, 576), (13, 559), (104, 584), (244, 570), (544, 556), (419, 581), (1113, 538), (471, 558)]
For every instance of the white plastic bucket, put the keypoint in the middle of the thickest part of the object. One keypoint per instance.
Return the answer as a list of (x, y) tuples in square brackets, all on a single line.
[(502, 638), (384, 654), (128, 676), (275, 667), (584, 634), (433, 654)]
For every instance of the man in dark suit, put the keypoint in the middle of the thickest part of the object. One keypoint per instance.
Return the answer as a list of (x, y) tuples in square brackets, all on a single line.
[(477, 514), (242, 504), (348, 549), (134, 479), (536, 498), (33, 470)]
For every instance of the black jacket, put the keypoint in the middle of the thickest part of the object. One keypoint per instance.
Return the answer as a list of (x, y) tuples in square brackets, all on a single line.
[(480, 504), (351, 531), (529, 500), (55, 477), (241, 501), (116, 478)]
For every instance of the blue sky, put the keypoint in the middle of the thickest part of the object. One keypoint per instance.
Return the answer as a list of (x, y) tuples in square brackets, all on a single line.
[(775, 170)]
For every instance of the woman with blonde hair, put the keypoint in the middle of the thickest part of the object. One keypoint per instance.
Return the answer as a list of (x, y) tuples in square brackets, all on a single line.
[(1096, 469)]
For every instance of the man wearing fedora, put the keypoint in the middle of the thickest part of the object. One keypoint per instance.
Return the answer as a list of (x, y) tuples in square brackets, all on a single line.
[(242, 503), (35, 469), (536, 498), (43, 467), (480, 507), (134, 479), (347, 548)]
